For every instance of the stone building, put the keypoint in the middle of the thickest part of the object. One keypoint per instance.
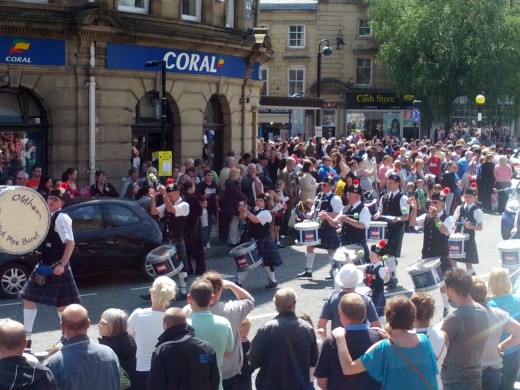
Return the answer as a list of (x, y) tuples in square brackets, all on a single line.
[(75, 90), (354, 87)]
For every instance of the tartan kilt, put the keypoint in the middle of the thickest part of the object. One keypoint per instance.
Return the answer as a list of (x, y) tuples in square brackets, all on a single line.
[(394, 235), (180, 245), (58, 290), (270, 255), (379, 300), (329, 238), (470, 248)]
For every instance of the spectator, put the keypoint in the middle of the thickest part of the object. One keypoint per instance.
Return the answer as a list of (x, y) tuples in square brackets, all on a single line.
[(101, 187), (34, 181), (229, 203), (133, 177), (81, 364), (70, 176), (467, 329), (21, 178), (503, 177), (214, 329), (181, 360), (284, 348), (359, 338), (236, 312), (17, 372), (404, 351), (145, 325), (45, 186), (113, 331)]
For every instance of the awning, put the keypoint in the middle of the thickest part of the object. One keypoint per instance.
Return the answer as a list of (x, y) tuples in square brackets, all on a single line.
[(291, 102)]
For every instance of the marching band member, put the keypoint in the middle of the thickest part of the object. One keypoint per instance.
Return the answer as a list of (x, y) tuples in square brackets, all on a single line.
[(438, 225), (394, 208), (469, 218), (259, 228), (326, 204)]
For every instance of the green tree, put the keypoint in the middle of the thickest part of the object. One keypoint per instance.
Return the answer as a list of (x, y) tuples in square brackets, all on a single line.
[(442, 49)]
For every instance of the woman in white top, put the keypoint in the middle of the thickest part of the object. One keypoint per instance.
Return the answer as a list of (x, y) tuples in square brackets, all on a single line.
[(146, 326), (307, 182), (425, 308)]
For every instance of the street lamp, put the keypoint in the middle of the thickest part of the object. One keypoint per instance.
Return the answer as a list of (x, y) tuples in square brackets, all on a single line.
[(155, 64), (480, 100), (326, 51)]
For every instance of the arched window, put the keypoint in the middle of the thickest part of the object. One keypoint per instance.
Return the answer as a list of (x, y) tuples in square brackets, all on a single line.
[(213, 139)]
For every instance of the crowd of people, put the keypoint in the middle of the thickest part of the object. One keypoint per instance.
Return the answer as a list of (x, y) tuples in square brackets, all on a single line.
[(343, 185)]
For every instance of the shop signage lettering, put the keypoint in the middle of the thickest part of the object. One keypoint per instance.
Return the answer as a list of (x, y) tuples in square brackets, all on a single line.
[(133, 57), (32, 51), (376, 101), (369, 98), (274, 111)]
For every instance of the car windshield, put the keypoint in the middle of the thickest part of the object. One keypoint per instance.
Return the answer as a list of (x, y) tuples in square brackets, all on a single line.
[(513, 204), (515, 281)]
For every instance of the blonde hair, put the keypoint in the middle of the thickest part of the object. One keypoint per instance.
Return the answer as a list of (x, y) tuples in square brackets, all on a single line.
[(163, 290), (234, 173), (499, 283), (245, 326), (502, 161)]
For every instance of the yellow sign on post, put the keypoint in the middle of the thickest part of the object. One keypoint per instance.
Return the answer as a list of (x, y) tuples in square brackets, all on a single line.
[(165, 163)]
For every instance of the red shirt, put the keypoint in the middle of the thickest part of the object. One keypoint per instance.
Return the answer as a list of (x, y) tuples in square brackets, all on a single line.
[(434, 165)]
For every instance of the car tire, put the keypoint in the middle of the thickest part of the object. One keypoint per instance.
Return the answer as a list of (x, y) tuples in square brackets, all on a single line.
[(13, 277), (146, 269)]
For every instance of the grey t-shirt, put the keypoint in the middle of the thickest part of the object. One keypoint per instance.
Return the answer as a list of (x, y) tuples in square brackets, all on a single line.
[(330, 309), (467, 329)]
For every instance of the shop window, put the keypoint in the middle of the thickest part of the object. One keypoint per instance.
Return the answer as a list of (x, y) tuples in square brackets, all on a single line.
[(191, 10), (296, 37), (364, 71), (296, 80), (22, 132), (212, 138), (135, 6), (230, 13), (364, 29), (264, 76)]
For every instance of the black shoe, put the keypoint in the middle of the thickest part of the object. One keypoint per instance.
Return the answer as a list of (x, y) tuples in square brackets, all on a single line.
[(190, 271), (28, 346), (305, 274), (146, 297), (329, 276), (272, 284), (238, 283), (181, 297)]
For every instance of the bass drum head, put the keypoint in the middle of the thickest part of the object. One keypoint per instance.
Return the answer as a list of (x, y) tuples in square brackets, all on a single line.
[(24, 219)]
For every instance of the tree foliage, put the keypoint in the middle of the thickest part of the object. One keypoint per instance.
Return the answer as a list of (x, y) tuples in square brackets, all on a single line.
[(442, 49)]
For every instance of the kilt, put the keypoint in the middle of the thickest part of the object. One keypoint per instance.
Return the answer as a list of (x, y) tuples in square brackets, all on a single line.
[(180, 245), (379, 300), (58, 290), (329, 237), (470, 248), (266, 249), (394, 235)]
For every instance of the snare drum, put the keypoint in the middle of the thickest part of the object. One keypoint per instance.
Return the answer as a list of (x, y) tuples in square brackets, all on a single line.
[(355, 253), (456, 245), (376, 230), (246, 256), (509, 254), (307, 233), (426, 274), (164, 261)]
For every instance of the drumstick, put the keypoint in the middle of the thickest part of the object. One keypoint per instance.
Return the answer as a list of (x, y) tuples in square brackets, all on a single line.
[(390, 217)]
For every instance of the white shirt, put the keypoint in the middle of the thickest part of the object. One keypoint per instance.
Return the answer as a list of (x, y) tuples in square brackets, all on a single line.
[(335, 203), (364, 216), (478, 213), (438, 342), (146, 326), (63, 226), (449, 222), (182, 209), (264, 216), (403, 203)]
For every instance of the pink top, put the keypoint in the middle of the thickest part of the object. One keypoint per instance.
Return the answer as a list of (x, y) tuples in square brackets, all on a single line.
[(503, 174)]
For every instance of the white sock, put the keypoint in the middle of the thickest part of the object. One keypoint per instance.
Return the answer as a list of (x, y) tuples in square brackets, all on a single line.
[(309, 260), (331, 260), (470, 271), (270, 274), (241, 276), (29, 315), (391, 263), (445, 300), (182, 281)]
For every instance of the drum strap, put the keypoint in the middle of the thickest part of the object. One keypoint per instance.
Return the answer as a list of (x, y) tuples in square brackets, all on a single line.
[(412, 366)]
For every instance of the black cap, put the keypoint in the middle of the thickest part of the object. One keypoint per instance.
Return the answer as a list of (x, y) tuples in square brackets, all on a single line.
[(395, 177), (355, 187)]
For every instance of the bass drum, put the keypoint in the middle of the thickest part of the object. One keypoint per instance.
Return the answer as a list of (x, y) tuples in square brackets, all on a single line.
[(24, 219)]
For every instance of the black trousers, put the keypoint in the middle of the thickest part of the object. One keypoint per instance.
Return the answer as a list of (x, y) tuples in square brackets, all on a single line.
[(193, 239)]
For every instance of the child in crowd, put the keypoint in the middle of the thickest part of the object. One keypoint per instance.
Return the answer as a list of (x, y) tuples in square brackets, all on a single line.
[(244, 381), (205, 224), (410, 192), (319, 342), (420, 194)]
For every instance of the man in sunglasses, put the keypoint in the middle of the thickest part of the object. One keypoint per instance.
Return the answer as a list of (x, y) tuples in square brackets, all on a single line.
[(437, 229)]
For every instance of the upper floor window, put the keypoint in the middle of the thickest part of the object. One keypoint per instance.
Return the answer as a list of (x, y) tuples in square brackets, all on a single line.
[(230, 13), (135, 6), (296, 80), (364, 29), (263, 75), (191, 10), (296, 36), (364, 71)]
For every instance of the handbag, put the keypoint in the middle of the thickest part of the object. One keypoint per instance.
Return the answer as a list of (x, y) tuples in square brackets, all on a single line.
[(411, 365)]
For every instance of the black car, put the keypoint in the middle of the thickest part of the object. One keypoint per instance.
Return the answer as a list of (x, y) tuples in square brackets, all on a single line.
[(110, 235)]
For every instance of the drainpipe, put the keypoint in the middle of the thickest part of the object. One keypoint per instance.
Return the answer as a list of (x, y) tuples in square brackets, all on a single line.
[(92, 116)]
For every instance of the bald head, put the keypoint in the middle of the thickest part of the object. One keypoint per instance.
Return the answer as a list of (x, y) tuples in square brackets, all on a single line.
[(285, 299), (12, 338), (172, 317), (75, 320)]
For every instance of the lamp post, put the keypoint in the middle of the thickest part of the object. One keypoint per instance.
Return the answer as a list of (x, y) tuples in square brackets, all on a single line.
[(154, 64), (480, 100), (326, 51)]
